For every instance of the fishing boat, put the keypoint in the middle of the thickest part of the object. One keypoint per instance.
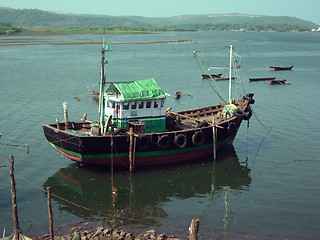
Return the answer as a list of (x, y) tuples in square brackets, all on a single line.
[(278, 81), (135, 129), (206, 76), (96, 95), (177, 95), (224, 78), (280, 68), (261, 79)]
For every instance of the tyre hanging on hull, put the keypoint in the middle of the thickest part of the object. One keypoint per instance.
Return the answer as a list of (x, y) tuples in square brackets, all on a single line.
[(164, 142), (180, 141), (143, 142), (197, 138)]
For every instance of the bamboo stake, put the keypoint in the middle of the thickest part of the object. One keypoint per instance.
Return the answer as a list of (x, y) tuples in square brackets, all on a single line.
[(58, 125), (17, 229), (50, 213), (134, 149), (193, 229), (130, 147), (214, 139)]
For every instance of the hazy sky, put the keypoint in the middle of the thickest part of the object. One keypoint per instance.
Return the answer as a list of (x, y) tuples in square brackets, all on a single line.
[(304, 9)]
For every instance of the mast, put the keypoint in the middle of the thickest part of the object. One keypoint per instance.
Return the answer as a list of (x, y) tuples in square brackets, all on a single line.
[(102, 86), (230, 72)]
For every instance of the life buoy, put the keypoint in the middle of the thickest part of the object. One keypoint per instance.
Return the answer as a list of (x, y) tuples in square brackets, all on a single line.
[(232, 128), (197, 138), (248, 113), (143, 142), (239, 114), (164, 142), (180, 141)]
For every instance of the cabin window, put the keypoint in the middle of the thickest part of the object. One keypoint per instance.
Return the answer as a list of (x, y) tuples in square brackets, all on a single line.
[(134, 105), (141, 105), (125, 106), (111, 104), (162, 103), (156, 105), (148, 105)]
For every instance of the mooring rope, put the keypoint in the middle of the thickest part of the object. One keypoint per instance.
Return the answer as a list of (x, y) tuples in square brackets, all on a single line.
[(280, 141)]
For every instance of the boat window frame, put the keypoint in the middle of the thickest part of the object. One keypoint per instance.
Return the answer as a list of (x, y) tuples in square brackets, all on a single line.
[(155, 105), (148, 104), (134, 105), (141, 105), (162, 103), (111, 104), (126, 105)]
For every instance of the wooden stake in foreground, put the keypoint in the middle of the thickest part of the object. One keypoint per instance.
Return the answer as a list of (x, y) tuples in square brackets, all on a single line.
[(17, 229), (193, 229), (50, 213)]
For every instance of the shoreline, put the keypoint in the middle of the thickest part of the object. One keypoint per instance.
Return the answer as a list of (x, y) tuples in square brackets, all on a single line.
[(28, 42), (108, 233)]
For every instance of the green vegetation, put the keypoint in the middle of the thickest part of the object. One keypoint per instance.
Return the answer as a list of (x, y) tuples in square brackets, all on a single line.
[(37, 22), (8, 29)]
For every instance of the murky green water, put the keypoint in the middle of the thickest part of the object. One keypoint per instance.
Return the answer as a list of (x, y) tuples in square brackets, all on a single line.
[(265, 187)]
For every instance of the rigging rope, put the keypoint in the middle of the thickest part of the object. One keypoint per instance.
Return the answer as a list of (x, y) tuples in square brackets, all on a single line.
[(203, 68)]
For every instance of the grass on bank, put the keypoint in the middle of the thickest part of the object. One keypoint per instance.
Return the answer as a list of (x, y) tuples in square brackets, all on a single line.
[(41, 31)]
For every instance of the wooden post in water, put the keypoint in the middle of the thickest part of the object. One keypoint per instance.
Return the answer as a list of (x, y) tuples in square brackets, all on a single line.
[(50, 213), (214, 139), (134, 149), (193, 229), (17, 229), (130, 147), (65, 110), (58, 124)]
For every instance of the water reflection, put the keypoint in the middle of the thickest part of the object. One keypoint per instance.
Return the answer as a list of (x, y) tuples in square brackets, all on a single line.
[(139, 197)]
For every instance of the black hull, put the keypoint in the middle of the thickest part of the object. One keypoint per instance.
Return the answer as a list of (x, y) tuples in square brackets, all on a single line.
[(146, 149)]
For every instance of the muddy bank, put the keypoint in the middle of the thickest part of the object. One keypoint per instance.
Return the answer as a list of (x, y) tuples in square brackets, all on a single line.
[(77, 233)]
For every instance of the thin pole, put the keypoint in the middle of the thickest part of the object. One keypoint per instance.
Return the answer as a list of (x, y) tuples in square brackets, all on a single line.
[(102, 85), (214, 139), (65, 110), (14, 200), (130, 147), (230, 72), (50, 213)]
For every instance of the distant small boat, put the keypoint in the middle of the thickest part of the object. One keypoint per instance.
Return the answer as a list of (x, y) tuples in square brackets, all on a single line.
[(96, 95), (278, 81), (261, 79), (233, 67), (223, 78), (206, 76), (177, 95), (280, 68)]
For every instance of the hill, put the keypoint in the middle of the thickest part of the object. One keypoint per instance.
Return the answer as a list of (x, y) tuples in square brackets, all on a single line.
[(34, 17)]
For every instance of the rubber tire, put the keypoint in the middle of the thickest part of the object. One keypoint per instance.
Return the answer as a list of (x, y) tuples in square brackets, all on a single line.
[(197, 138), (180, 141)]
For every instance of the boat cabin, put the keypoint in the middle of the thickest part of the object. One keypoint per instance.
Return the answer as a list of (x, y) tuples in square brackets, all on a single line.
[(139, 104)]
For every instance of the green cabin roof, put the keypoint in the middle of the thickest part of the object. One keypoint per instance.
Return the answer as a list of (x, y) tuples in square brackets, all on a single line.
[(136, 90)]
